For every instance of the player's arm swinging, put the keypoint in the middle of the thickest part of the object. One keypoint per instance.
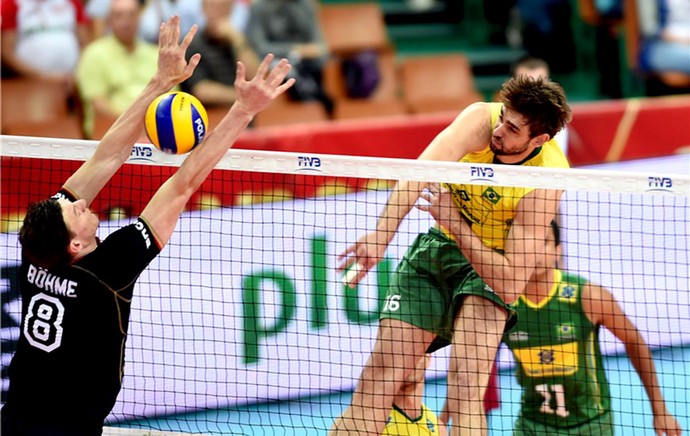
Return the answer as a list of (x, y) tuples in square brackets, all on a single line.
[(602, 308), (470, 131), (509, 273)]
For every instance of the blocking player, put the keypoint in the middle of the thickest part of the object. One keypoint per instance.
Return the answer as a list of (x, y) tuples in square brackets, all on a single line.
[(455, 284), (76, 290)]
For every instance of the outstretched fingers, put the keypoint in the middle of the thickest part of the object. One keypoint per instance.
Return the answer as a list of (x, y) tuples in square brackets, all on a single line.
[(264, 67), (278, 73), (175, 30), (188, 37), (191, 66)]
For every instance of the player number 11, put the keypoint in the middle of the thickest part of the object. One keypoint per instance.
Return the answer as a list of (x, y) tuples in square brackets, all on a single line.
[(546, 391)]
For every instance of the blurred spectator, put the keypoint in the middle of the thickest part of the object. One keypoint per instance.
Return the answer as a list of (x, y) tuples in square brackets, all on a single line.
[(665, 27), (605, 16), (116, 67), (221, 45), (291, 29), (535, 67), (157, 11), (43, 38), (192, 12), (154, 12), (547, 32)]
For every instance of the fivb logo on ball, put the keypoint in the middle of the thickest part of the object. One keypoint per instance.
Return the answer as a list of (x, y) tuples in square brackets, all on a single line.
[(176, 122)]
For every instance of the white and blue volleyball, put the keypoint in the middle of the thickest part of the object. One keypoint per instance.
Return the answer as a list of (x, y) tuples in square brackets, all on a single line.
[(176, 122)]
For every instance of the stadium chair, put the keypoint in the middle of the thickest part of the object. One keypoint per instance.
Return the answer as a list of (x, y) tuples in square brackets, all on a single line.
[(66, 127), (633, 37), (385, 101), (101, 124), (284, 111), (36, 108), (438, 83), (352, 27)]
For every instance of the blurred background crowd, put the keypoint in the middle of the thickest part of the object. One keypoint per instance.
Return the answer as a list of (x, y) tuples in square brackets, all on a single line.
[(69, 67)]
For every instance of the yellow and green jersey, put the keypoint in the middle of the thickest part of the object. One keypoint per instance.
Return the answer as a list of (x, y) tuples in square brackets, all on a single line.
[(490, 209), (399, 424), (559, 363)]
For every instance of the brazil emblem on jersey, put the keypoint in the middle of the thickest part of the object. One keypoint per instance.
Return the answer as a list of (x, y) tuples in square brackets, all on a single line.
[(546, 357), (491, 195), (567, 293), (565, 331)]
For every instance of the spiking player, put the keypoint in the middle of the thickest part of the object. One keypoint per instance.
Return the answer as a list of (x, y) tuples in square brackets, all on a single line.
[(455, 284), (76, 291)]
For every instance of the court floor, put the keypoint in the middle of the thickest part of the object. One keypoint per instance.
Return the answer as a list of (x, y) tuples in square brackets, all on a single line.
[(314, 415)]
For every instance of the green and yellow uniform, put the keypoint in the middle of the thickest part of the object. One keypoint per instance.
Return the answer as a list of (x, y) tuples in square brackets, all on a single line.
[(559, 364), (399, 424), (427, 288)]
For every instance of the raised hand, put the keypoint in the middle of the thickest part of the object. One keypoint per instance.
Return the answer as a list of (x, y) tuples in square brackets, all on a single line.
[(440, 206), (667, 425), (363, 255), (256, 94), (173, 67)]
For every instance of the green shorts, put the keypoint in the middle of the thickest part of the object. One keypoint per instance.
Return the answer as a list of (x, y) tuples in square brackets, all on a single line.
[(429, 284), (602, 425)]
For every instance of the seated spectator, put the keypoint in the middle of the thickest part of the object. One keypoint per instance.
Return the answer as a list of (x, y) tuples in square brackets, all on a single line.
[(43, 39), (547, 32), (192, 12), (157, 11), (154, 12), (221, 46), (290, 28), (665, 27), (115, 68)]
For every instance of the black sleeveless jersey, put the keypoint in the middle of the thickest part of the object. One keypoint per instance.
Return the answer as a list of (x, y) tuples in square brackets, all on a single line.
[(67, 371)]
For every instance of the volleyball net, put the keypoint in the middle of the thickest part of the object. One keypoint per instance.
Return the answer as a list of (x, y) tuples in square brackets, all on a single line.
[(244, 305)]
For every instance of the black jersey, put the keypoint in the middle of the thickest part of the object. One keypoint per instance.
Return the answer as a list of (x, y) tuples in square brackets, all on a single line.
[(67, 371)]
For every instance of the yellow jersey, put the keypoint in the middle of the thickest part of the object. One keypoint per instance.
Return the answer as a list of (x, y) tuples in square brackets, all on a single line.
[(399, 424), (490, 210)]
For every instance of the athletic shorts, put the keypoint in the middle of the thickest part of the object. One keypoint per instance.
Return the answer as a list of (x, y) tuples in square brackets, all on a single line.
[(429, 284), (602, 425)]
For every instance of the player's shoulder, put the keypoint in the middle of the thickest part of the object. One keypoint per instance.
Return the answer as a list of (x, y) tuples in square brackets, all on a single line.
[(552, 155), (573, 278)]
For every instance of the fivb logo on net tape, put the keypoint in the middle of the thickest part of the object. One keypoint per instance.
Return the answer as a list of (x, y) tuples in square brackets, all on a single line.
[(309, 163), (142, 153), (655, 183)]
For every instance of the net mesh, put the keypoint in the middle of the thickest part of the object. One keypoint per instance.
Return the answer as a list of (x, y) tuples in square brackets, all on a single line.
[(244, 310)]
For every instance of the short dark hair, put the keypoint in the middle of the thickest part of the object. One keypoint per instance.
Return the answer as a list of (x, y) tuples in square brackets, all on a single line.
[(44, 235), (540, 101)]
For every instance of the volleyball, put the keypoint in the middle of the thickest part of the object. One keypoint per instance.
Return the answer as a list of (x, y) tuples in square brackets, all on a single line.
[(176, 122)]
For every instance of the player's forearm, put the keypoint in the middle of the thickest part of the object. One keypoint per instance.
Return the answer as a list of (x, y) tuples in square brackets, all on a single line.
[(116, 146), (400, 202), (641, 359), (494, 268), (200, 162), (166, 205), (119, 139)]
